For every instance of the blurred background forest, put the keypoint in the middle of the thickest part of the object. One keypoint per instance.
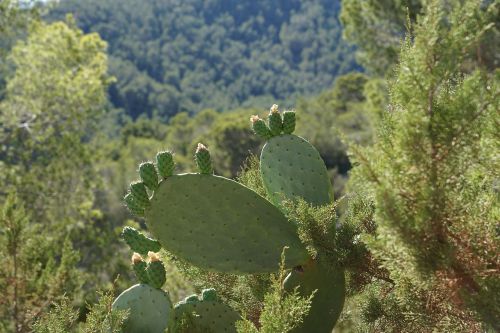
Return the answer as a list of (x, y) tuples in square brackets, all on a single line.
[(89, 89)]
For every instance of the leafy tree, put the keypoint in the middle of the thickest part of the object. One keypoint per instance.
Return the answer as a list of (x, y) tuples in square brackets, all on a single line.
[(48, 153), (378, 27), (36, 270), (186, 56), (430, 180)]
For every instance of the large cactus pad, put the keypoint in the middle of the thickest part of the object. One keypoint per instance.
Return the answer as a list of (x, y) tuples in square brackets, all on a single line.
[(150, 309), (198, 315), (291, 167), (218, 224), (328, 300)]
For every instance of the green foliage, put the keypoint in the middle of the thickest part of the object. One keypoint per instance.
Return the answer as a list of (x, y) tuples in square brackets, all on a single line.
[(378, 27), (36, 270), (172, 57), (431, 177), (283, 311), (62, 318)]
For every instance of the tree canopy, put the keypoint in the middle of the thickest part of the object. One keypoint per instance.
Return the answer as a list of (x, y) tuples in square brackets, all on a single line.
[(184, 56)]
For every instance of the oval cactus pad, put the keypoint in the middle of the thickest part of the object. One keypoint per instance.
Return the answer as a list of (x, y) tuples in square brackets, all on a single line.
[(198, 315), (328, 300), (291, 167), (150, 309), (218, 224)]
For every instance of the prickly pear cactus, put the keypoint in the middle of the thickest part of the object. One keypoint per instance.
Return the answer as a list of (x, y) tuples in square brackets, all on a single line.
[(218, 224), (138, 242), (328, 300), (204, 313), (149, 309), (291, 167)]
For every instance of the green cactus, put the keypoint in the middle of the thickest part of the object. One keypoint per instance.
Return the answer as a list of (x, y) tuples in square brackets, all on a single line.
[(235, 230), (155, 271), (150, 309), (134, 207), (220, 225), (275, 121), (291, 167), (139, 266), (328, 300), (203, 160), (139, 193), (165, 164), (288, 122), (205, 315), (148, 175), (138, 242), (260, 128)]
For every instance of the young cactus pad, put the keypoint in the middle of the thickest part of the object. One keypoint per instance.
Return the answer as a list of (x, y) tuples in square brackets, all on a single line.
[(150, 309), (205, 315), (328, 299), (138, 242), (218, 224), (291, 167)]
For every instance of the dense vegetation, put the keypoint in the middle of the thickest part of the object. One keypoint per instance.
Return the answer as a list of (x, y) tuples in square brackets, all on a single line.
[(172, 56), (410, 143)]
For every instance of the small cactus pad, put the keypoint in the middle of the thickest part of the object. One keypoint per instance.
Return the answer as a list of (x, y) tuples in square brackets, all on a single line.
[(139, 193), (328, 299), (220, 225), (132, 205), (150, 309), (198, 315), (291, 167), (275, 121), (148, 174), (165, 163), (139, 267), (203, 159), (138, 242), (156, 273), (288, 122), (209, 294), (260, 128)]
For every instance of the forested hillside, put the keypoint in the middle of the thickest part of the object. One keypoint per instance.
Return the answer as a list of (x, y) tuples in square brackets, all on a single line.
[(171, 56), (144, 158)]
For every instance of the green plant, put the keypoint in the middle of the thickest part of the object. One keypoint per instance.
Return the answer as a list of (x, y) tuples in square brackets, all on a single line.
[(220, 225)]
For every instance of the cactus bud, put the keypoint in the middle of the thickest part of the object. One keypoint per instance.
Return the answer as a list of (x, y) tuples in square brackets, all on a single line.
[(288, 122), (153, 256), (275, 121), (133, 205), (165, 163), (148, 175), (209, 294), (203, 160), (156, 272), (136, 258), (140, 267), (139, 193), (260, 128)]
